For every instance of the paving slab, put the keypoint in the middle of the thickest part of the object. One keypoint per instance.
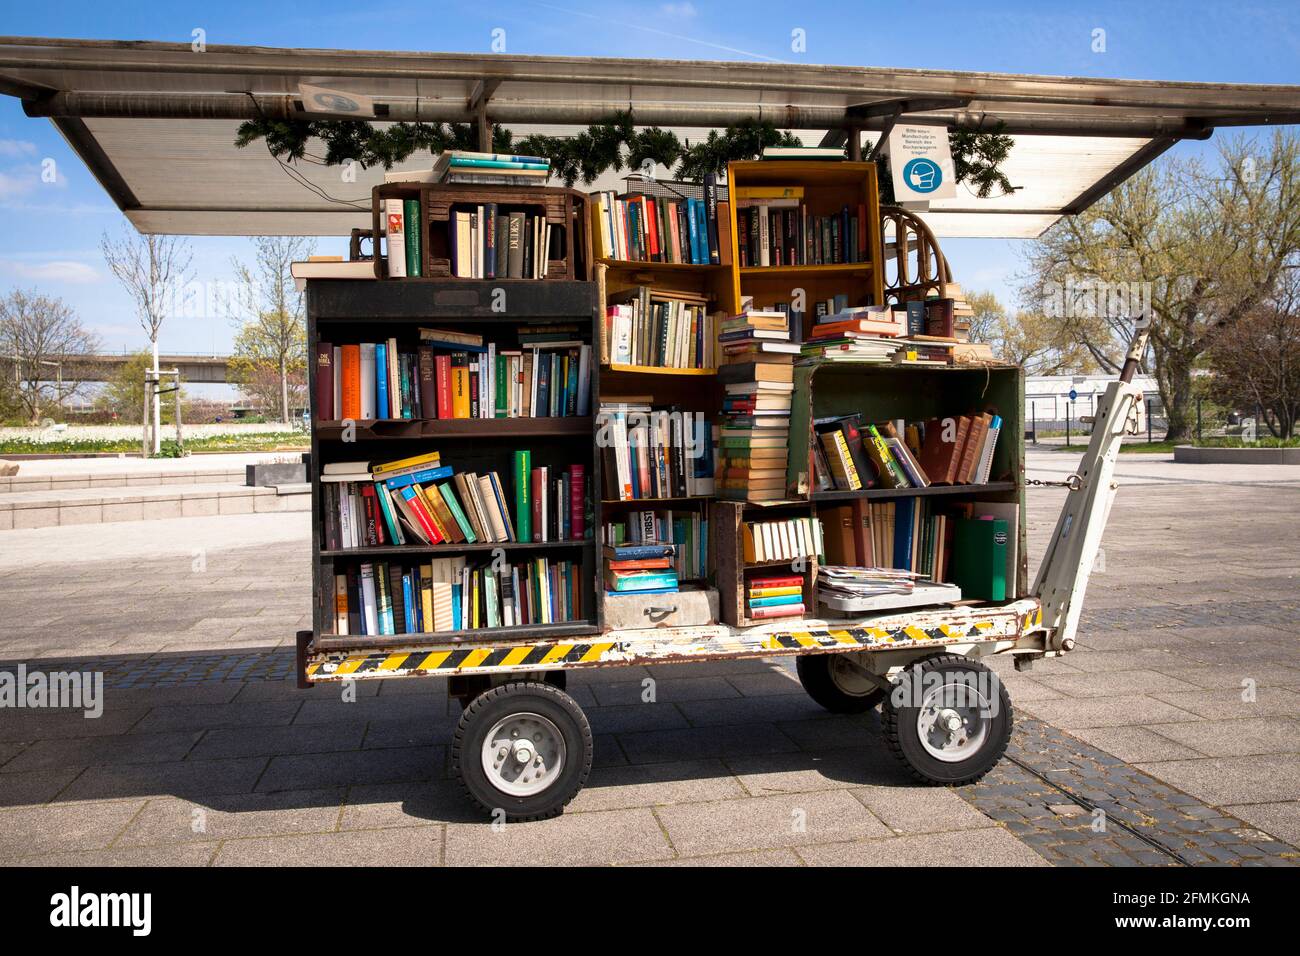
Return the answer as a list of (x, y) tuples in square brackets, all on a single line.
[(1281, 820), (1229, 780), (1233, 738), (409, 846), (32, 831), (166, 820), (614, 836), (988, 847)]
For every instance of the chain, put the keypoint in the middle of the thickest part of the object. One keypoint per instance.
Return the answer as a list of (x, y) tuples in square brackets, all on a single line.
[(1074, 483)]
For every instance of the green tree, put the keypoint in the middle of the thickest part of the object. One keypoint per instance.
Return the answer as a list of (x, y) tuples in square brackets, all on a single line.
[(124, 392), (1028, 339), (1196, 245), (271, 344)]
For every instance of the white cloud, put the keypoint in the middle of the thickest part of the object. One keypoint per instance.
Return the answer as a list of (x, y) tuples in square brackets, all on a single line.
[(58, 270), (678, 11), (25, 179), (15, 148)]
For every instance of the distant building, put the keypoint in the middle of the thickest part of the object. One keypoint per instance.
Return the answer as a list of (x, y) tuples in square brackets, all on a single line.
[(1047, 397)]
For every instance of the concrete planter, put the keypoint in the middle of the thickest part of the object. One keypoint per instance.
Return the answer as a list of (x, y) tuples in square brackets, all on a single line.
[(265, 475), (1193, 455)]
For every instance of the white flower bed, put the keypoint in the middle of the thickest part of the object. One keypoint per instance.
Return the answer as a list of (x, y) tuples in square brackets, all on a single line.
[(40, 436)]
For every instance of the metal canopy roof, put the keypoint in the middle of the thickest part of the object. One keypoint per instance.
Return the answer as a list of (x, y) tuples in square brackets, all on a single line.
[(155, 122)]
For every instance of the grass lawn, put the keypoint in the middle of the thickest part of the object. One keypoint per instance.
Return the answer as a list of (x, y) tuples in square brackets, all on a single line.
[(1167, 447), (214, 443)]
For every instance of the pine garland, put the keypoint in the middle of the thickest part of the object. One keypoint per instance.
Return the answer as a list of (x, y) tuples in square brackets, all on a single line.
[(614, 144)]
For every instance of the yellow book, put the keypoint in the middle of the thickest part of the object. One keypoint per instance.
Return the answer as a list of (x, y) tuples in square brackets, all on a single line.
[(433, 512), (340, 604), (460, 391), (446, 521), (774, 592), (430, 459), (769, 192), (599, 236), (426, 598)]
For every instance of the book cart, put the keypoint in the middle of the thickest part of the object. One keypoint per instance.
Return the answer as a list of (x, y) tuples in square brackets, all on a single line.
[(523, 746)]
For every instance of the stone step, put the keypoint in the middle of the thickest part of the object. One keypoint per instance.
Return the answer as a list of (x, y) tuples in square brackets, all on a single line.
[(47, 509), (111, 479)]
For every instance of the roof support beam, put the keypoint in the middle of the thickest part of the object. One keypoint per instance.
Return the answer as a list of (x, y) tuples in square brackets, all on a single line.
[(1123, 171), (242, 106)]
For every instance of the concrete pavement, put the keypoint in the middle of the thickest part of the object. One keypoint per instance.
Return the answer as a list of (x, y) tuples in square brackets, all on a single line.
[(1177, 714)]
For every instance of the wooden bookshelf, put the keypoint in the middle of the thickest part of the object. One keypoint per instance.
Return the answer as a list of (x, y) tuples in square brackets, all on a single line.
[(828, 186), (989, 487), (350, 311)]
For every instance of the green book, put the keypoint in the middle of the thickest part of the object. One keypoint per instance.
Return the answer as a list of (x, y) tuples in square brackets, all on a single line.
[(979, 558), (412, 230), (502, 380), (386, 508), (449, 497), (523, 502)]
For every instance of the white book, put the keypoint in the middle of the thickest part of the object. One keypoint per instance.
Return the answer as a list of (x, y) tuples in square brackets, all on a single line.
[(393, 367), (369, 609), (367, 380), (395, 222)]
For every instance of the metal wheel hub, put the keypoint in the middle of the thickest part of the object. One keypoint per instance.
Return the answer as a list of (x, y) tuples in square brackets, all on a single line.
[(847, 679), (523, 754), (953, 722)]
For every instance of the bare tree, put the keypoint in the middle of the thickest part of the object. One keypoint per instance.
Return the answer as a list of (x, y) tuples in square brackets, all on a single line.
[(48, 347), (1258, 367), (154, 271), (1200, 245), (1028, 339), (274, 336)]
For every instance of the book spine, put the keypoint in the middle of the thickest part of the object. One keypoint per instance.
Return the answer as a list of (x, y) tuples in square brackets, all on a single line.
[(523, 490), (324, 382), (395, 216), (411, 232)]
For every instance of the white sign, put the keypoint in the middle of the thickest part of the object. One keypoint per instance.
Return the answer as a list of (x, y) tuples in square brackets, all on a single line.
[(920, 163), (318, 99)]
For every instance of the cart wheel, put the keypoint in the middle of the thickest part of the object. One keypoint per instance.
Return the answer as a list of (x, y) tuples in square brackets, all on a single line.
[(948, 720), (523, 748), (831, 681)]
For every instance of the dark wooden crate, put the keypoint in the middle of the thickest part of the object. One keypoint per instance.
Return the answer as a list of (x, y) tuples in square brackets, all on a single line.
[(565, 210)]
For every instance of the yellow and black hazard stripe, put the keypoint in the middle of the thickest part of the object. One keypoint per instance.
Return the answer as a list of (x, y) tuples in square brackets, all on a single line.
[(879, 636), (460, 659)]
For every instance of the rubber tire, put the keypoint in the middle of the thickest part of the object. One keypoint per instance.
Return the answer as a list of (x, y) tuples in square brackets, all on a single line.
[(899, 727), (815, 675), (522, 696)]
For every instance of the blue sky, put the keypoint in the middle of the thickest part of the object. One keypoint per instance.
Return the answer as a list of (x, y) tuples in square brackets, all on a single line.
[(52, 230)]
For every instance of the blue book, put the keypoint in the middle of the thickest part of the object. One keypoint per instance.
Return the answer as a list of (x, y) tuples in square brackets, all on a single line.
[(452, 346), (381, 381), (774, 601), (702, 230), (390, 520), (903, 532), (636, 552), (455, 607), (412, 624), (645, 591), (692, 231), (418, 478)]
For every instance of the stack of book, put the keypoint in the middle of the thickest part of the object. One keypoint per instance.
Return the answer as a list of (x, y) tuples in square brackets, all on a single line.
[(662, 329), (643, 228), (453, 374), (653, 452), (788, 539), (775, 228), (856, 582), (771, 597), (420, 501), (688, 531), (860, 334), (646, 567), (376, 598), (755, 435), (490, 169)]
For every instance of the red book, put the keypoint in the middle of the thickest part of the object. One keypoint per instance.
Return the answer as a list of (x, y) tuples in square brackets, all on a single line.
[(577, 502), (422, 515), (776, 610), (442, 365), (640, 564), (651, 224), (786, 582), (373, 517), (537, 499), (324, 382), (351, 383)]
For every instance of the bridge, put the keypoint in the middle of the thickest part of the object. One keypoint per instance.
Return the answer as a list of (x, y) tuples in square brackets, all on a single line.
[(193, 368)]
